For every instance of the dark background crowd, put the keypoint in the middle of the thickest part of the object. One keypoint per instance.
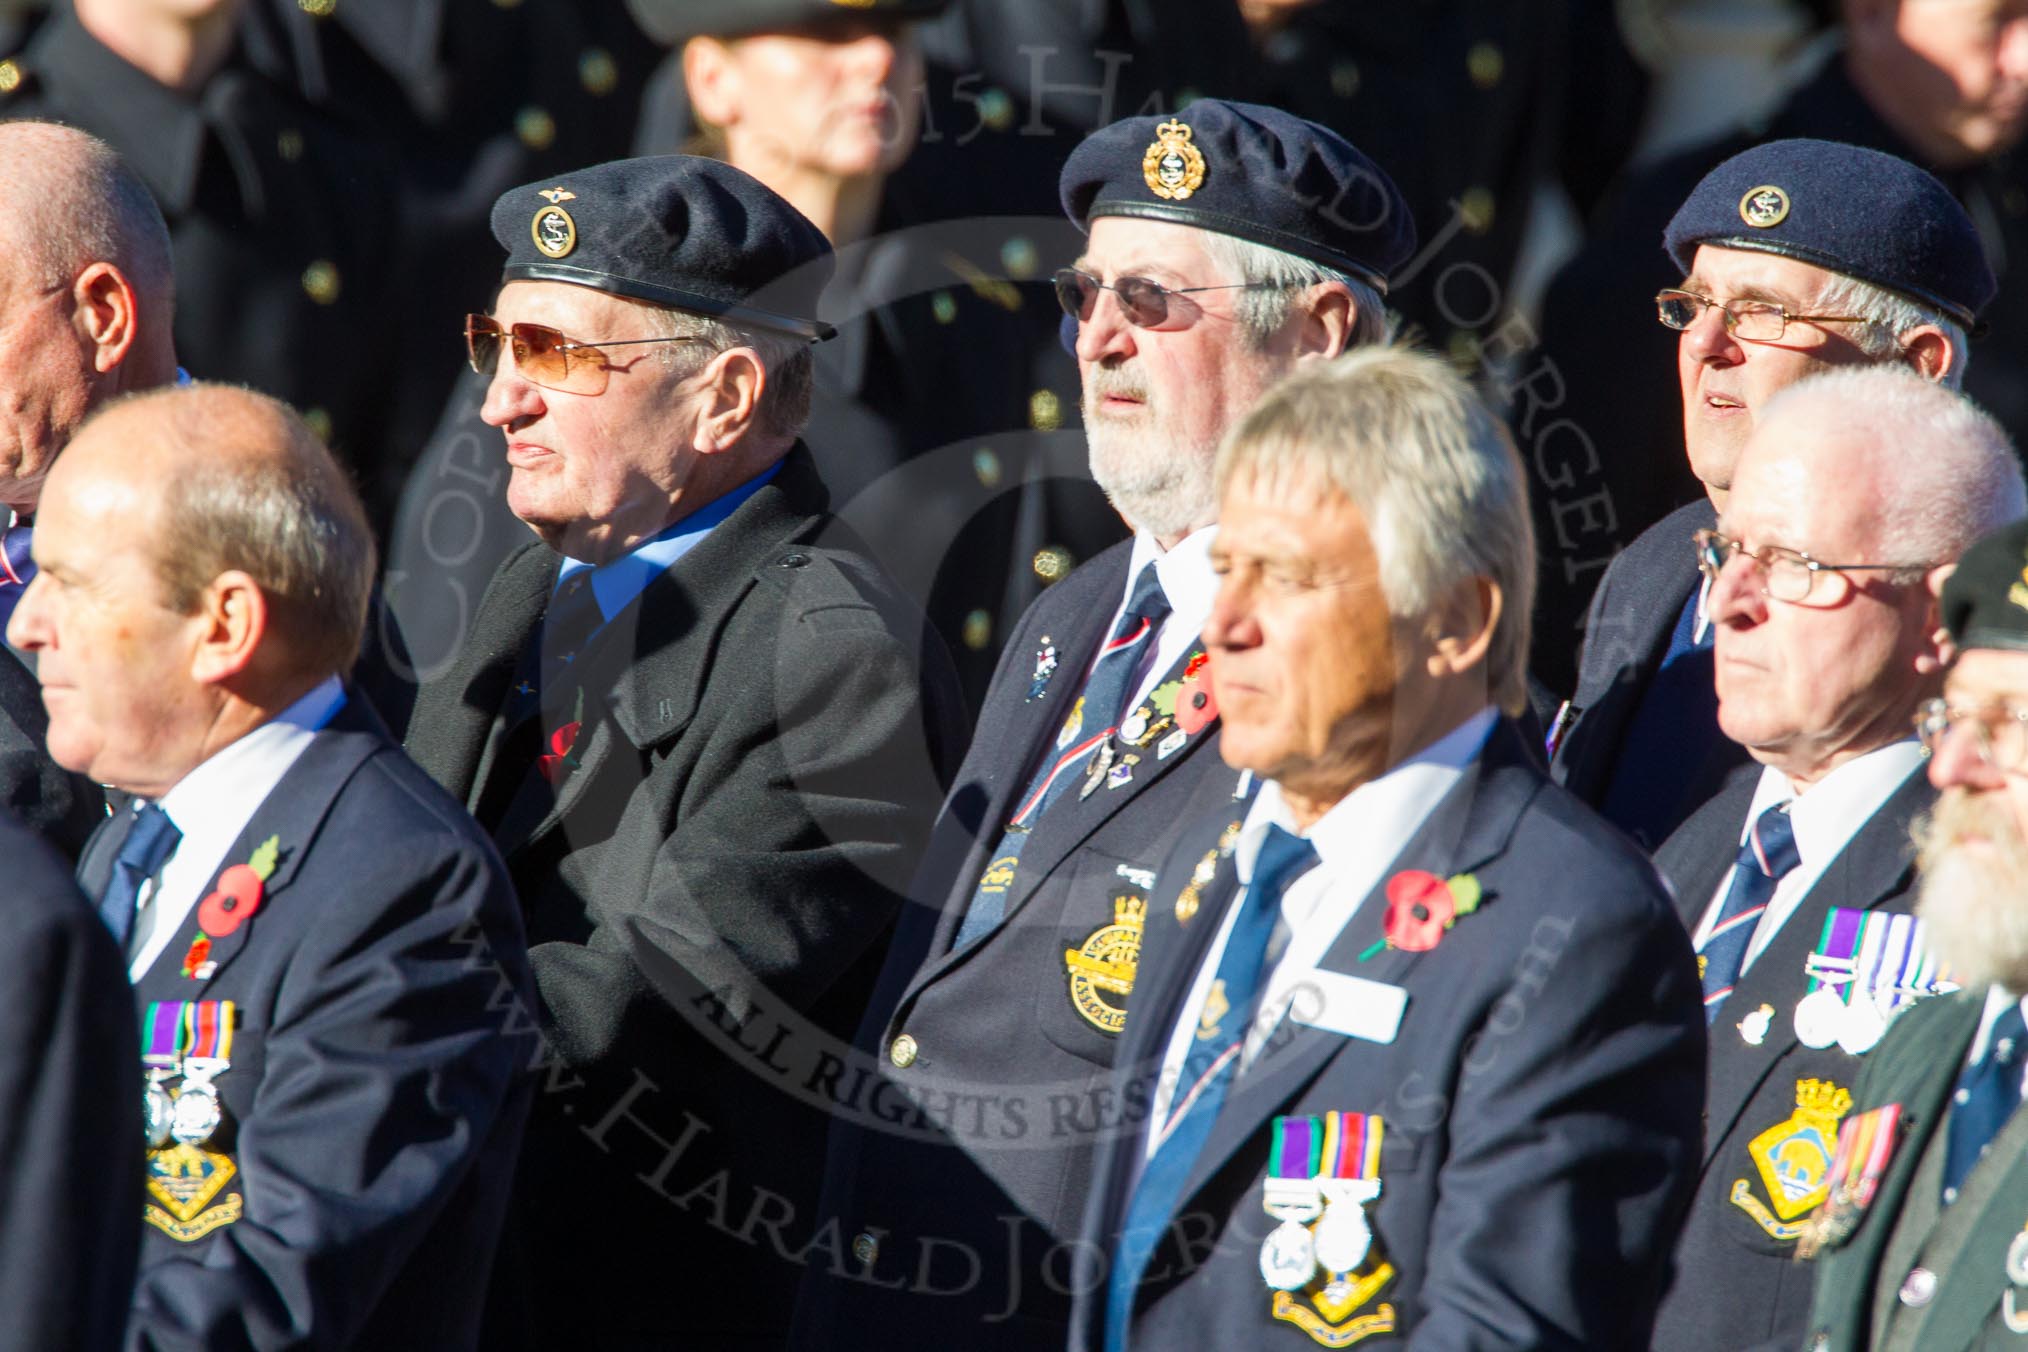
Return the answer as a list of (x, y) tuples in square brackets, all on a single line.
[(326, 167)]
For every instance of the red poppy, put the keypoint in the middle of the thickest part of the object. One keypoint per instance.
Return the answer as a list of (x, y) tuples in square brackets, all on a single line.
[(1420, 907), (200, 951), (558, 758), (1196, 704), (238, 897)]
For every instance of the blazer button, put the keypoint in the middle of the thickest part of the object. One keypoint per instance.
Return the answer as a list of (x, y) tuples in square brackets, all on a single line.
[(902, 1052), (1918, 1288), (795, 560), (865, 1248)]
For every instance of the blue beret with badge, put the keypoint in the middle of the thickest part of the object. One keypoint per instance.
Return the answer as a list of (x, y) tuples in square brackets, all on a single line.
[(672, 21), (1985, 599), (1252, 172), (676, 230), (1846, 209)]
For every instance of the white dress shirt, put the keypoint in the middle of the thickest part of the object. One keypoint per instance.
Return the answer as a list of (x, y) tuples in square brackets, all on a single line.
[(1825, 820), (1188, 582), (211, 806), (1356, 842)]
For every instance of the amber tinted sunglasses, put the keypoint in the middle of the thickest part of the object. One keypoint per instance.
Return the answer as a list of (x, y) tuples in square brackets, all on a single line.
[(1144, 303), (545, 356)]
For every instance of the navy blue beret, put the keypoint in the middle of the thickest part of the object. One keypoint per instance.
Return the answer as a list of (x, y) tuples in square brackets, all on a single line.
[(1846, 209), (674, 20), (1985, 601), (675, 230), (1256, 173)]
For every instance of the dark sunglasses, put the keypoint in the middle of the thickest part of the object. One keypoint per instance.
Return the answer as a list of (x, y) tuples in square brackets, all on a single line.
[(546, 357), (1144, 303)]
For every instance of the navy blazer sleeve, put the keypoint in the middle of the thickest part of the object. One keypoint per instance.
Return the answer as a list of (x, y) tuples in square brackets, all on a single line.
[(388, 1062), (70, 1112)]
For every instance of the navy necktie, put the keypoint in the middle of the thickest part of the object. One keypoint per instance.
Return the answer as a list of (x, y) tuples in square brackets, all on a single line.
[(17, 568), (1988, 1093), (1767, 856), (570, 623), (149, 843), (1208, 1072), (1097, 714)]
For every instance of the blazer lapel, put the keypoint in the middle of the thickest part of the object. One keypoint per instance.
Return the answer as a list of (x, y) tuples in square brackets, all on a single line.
[(1964, 1296), (292, 815), (1873, 867), (506, 627), (1467, 830)]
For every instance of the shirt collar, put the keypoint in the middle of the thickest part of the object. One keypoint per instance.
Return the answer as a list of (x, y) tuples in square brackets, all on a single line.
[(1377, 811), (1824, 818), (228, 779), (1184, 571), (617, 582)]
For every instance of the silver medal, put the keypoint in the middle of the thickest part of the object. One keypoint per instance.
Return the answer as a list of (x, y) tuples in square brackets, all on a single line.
[(1863, 1025), (197, 1112), (1343, 1237), (2017, 1260), (1288, 1256), (1819, 1015), (157, 1108)]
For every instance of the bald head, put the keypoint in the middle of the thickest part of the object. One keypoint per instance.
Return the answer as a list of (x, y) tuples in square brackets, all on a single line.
[(223, 479), (73, 201)]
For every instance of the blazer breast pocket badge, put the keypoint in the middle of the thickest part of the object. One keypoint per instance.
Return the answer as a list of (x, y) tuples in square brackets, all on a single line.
[(1322, 1262), (1793, 1158)]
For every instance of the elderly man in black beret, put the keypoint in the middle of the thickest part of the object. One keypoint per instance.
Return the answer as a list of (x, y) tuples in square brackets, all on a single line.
[(1227, 245), (703, 730), (1921, 1239), (1796, 256)]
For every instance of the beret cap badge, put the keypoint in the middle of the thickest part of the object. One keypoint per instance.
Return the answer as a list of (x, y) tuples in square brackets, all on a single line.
[(1172, 166), (1764, 207), (557, 194), (554, 232)]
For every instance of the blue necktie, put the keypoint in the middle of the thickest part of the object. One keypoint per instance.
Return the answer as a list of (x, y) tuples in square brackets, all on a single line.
[(1988, 1093), (1098, 711), (1208, 1071), (149, 843), (572, 620), (17, 568), (1767, 856)]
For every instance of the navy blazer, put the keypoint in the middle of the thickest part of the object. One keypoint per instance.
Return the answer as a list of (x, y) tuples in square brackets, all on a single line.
[(1541, 1097), (1735, 1239), (376, 1096), (1632, 618), (1000, 1183), (70, 1116)]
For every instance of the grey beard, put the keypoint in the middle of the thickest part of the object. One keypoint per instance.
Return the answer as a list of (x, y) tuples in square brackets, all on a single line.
[(1974, 901)]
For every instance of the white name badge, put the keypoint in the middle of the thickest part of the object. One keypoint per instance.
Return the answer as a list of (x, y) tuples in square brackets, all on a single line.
[(1350, 1006)]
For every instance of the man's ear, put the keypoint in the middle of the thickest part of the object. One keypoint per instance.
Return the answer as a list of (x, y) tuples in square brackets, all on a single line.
[(734, 381), (1460, 629), (711, 81), (106, 314), (1927, 349), (1328, 316), (234, 616), (1938, 652)]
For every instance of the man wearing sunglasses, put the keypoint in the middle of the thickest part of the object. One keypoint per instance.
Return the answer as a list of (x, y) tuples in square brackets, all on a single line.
[(1797, 257), (1226, 246), (705, 733), (1935, 1259), (1856, 491)]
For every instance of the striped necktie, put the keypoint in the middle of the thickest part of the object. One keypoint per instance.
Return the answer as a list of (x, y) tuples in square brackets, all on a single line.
[(1764, 860)]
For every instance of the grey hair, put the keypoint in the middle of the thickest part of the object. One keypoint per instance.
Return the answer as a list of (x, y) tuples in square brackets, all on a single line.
[(785, 402), (1892, 315), (1949, 470), (1277, 275), (257, 491), (76, 202), (1430, 468)]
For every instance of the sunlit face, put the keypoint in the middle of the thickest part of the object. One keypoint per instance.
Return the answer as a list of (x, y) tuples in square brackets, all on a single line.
[(1726, 382), (48, 381), (841, 99), (1157, 400), (1956, 69), (593, 474), (1803, 685), (1305, 659), (115, 663)]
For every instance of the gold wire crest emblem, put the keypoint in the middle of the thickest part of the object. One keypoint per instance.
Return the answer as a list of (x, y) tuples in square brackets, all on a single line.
[(554, 232), (1173, 167)]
